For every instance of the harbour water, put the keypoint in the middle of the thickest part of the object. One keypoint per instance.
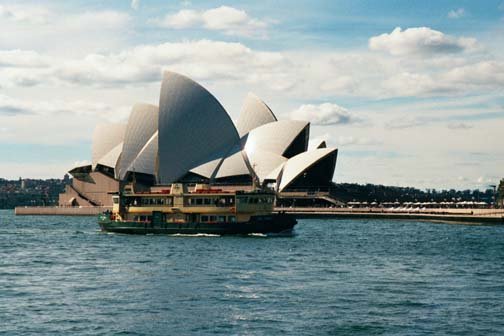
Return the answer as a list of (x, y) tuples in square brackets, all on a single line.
[(60, 276)]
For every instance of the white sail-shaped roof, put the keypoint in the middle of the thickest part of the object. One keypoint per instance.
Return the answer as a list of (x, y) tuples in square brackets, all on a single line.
[(110, 159), (208, 168), (300, 163), (275, 137), (264, 162), (193, 125), (254, 113), (142, 124), (106, 137), (145, 161), (273, 175), (220, 166), (233, 165)]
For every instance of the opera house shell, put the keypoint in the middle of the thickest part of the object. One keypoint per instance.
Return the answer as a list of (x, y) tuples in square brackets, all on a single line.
[(190, 138)]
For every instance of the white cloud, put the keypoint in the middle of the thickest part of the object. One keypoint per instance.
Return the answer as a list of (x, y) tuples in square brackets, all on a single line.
[(323, 114), (25, 14), (227, 19), (352, 140), (56, 108), (55, 31), (421, 41), (202, 59), (459, 126), (135, 4), (342, 140), (308, 74), (415, 84), (456, 13), (485, 181), (22, 58), (484, 73), (183, 19), (98, 20), (404, 122)]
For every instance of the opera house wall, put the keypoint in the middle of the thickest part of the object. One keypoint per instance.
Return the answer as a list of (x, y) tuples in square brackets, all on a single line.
[(191, 138)]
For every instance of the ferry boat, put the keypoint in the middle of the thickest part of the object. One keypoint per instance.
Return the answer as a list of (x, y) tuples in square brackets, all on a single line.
[(204, 210)]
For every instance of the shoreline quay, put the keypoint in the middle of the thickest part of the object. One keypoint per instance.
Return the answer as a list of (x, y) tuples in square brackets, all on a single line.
[(60, 211), (463, 216)]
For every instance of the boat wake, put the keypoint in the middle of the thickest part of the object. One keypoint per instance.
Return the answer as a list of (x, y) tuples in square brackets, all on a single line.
[(286, 233), (194, 235)]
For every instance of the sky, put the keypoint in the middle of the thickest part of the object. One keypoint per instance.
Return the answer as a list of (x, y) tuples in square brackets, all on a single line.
[(410, 92)]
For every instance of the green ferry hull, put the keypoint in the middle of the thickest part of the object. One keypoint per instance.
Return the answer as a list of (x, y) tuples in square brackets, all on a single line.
[(274, 223)]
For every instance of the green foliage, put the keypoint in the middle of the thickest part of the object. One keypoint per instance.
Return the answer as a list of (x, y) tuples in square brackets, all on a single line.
[(30, 192)]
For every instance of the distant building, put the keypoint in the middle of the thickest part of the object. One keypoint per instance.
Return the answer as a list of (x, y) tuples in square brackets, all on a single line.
[(190, 138), (500, 194)]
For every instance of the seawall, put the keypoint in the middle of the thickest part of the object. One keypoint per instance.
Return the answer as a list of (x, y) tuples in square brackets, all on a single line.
[(467, 216), (60, 211)]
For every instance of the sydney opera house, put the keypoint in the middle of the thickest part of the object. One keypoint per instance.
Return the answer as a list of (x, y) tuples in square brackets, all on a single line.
[(190, 138)]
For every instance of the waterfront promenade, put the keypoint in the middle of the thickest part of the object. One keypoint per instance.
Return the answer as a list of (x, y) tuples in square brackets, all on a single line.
[(469, 216), (60, 211)]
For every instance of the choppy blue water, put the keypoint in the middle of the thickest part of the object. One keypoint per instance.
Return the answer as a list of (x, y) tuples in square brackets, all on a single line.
[(60, 276)]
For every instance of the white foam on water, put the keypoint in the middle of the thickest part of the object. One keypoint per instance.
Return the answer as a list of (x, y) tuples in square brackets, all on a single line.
[(194, 235), (261, 235)]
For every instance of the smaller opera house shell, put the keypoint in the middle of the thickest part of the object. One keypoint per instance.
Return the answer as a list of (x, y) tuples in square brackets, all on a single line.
[(190, 138)]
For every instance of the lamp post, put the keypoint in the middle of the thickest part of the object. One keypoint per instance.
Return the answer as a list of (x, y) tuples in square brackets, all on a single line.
[(494, 197)]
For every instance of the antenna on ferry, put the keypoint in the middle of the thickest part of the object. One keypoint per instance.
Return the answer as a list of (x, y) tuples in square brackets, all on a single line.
[(133, 182), (255, 178)]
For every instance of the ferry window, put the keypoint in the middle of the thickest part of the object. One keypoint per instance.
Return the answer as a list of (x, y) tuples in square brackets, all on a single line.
[(199, 201), (149, 218), (135, 218), (189, 201), (142, 218), (232, 219), (204, 218), (242, 200), (222, 219), (168, 201), (213, 218), (115, 200)]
